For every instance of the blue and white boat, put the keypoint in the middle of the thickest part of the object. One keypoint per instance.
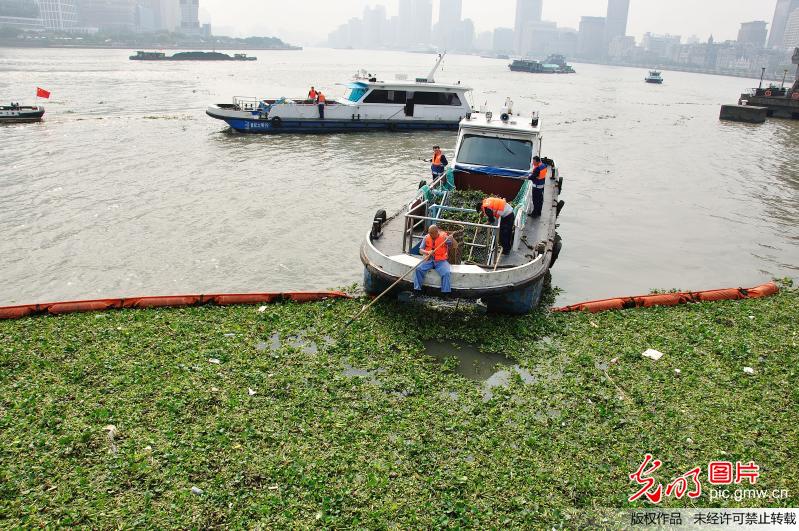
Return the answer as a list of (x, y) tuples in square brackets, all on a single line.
[(368, 105)]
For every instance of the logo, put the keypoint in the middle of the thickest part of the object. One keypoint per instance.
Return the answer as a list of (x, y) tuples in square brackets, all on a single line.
[(689, 484)]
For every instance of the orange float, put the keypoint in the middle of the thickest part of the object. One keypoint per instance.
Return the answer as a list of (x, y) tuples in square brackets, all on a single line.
[(672, 299), (177, 301)]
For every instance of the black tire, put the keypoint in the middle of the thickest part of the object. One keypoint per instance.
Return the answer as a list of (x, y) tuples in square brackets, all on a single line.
[(422, 184), (561, 204), (277, 121), (377, 224), (560, 185), (556, 250)]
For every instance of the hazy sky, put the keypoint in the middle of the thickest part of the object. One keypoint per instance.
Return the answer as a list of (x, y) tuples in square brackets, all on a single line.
[(309, 22)]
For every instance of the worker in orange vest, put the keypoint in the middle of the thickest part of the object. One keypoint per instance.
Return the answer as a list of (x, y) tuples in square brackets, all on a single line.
[(498, 208), (539, 178), (312, 94), (435, 249), (321, 101), (438, 163)]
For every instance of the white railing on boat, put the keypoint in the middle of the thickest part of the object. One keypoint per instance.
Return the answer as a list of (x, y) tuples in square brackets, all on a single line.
[(246, 103)]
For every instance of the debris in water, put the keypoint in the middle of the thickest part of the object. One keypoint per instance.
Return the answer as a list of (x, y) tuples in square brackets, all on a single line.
[(594, 324), (250, 392), (197, 491), (677, 372), (230, 335), (214, 361), (653, 354), (214, 389), (112, 433), (262, 309), (749, 370)]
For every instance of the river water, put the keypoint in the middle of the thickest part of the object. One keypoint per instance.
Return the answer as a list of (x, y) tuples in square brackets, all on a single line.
[(128, 188)]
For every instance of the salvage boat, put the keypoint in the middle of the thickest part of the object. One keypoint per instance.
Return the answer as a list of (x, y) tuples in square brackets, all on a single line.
[(369, 105), (493, 157), (190, 56), (15, 113), (554, 64)]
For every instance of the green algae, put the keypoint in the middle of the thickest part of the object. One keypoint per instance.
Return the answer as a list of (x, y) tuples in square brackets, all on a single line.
[(278, 435)]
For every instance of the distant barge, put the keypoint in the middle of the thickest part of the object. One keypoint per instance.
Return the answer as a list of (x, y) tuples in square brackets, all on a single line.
[(554, 64), (190, 56)]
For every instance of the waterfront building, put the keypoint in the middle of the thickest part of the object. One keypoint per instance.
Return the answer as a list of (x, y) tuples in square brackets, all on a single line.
[(422, 23), (616, 20), (591, 38), (20, 15), (754, 33), (527, 12), (448, 27), (107, 15), (790, 38), (374, 26), (58, 15), (782, 13), (503, 40), (190, 17)]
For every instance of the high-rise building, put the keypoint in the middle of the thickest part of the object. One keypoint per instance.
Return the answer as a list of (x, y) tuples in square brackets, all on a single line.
[(405, 37), (374, 26), (168, 15), (448, 30), (527, 12), (422, 23), (754, 33), (782, 12), (791, 37), (592, 38), (616, 21), (58, 15), (107, 15), (20, 14), (503, 40), (190, 16)]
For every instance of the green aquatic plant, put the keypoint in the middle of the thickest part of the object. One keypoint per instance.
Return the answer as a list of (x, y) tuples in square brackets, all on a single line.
[(122, 419)]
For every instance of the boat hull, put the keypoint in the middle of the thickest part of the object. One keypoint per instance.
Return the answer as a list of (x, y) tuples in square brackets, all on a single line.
[(655, 81), (21, 116), (332, 126)]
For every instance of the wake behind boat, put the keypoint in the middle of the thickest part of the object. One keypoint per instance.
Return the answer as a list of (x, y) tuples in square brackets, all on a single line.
[(369, 105), (494, 163), (15, 113)]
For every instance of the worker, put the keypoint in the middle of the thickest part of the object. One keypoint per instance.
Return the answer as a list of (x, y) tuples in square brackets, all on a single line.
[(439, 162), (539, 178), (312, 94), (435, 249), (496, 207), (320, 101)]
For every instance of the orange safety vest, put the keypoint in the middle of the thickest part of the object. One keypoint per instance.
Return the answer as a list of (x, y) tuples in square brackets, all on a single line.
[(494, 203), (437, 158), (443, 252), (322, 98), (544, 171), (312, 95)]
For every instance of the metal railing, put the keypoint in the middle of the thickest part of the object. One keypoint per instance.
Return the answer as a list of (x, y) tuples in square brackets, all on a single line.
[(422, 212)]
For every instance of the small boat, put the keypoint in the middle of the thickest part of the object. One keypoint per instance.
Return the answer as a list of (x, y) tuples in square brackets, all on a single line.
[(554, 64), (16, 113), (369, 105), (493, 157), (190, 56), (654, 77)]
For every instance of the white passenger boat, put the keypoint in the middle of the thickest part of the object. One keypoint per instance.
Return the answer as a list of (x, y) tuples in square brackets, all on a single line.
[(494, 157), (369, 105)]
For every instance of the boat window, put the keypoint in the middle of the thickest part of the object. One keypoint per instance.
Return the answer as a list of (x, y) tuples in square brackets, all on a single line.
[(505, 153), (355, 94), (386, 96), (436, 98)]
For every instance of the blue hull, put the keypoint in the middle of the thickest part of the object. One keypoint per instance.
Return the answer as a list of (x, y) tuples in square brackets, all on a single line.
[(332, 126)]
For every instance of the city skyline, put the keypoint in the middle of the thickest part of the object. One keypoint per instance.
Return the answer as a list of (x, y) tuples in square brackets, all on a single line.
[(721, 18)]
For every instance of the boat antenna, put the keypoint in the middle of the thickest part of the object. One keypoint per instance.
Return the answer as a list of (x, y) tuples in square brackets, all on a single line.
[(431, 76)]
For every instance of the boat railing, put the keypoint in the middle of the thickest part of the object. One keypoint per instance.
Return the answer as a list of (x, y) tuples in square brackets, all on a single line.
[(426, 209), (246, 103)]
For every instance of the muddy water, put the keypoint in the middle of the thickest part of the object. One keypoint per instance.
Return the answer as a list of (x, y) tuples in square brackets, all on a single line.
[(128, 188)]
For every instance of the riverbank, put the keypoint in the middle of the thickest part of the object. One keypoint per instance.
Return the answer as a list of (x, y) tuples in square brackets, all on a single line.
[(242, 416)]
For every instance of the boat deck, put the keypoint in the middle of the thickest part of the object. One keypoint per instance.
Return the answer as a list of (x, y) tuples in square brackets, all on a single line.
[(536, 230)]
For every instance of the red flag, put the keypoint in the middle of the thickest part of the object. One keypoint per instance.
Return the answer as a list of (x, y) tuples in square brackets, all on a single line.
[(41, 93)]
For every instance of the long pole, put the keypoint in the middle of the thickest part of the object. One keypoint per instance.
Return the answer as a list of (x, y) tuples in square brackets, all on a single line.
[(394, 285), (784, 75), (762, 75)]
